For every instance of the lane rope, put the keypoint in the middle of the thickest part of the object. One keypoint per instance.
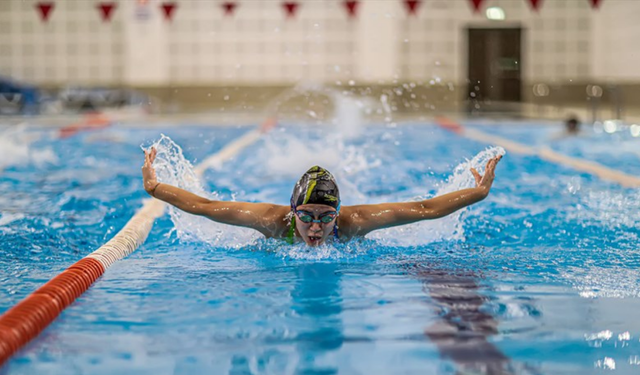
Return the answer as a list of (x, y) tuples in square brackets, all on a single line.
[(544, 153), (24, 321)]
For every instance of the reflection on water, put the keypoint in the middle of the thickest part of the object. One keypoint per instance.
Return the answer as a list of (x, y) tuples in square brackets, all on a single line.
[(315, 332), (464, 329), (317, 298)]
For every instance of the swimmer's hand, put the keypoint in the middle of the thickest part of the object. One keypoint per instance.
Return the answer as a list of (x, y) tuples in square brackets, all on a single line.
[(485, 182), (149, 173)]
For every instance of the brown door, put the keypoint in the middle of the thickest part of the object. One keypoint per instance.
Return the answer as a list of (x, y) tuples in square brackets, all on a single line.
[(494, 66)]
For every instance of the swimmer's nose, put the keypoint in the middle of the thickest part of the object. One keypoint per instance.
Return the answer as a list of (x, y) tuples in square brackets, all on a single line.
[(315, 227)]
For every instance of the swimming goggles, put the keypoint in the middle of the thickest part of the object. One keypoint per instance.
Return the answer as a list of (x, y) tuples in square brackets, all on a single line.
[(324, 218)]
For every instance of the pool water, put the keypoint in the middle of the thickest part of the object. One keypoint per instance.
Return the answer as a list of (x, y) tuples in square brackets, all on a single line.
[(542, 277)]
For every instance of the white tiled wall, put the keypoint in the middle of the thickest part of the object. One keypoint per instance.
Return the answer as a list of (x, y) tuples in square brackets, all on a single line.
[(74, 46), (565, 40), (556, 39), (616, 32), (259, 43)]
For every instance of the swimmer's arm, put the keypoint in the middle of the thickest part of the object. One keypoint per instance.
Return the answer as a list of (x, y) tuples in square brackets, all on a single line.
[(367, 218), (266, 218), (363, 219)]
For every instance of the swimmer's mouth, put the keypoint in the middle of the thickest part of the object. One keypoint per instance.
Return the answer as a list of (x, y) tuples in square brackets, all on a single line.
[(315, 240)]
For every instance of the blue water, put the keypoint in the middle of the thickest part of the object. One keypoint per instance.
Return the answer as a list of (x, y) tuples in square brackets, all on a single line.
[(540, 278)]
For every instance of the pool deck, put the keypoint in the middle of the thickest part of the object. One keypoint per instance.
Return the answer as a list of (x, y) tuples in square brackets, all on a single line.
[(546, 114)]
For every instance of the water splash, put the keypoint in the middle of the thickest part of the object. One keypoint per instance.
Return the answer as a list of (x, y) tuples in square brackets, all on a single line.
[(601, 282), (616, 209), (329, 251), (304, 252), (174, 169), (288, 156), (447, 228), (348, 119), (348, 111), (7, 218), (17, 145)]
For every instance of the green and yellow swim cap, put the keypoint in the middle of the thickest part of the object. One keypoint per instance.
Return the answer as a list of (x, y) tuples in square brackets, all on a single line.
[(316, 186)]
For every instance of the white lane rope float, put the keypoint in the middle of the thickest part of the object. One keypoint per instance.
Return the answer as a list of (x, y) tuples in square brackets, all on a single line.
[(544, 153), (135, 232)]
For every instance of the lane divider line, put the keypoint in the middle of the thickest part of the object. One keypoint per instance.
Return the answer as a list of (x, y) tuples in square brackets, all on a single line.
[(24, 321), (92, 121), (592, 167), (544, 153)]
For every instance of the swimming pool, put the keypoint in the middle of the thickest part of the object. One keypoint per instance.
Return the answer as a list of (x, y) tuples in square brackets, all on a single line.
[(540, 278)]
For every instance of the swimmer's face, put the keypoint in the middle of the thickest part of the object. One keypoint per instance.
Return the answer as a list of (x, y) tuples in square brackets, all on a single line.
[(314, 233)]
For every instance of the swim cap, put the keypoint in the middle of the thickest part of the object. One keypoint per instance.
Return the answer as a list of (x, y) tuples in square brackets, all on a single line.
[(316, 186)]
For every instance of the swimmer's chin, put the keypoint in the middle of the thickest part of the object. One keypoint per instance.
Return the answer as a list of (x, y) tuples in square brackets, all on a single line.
[(314, 243)]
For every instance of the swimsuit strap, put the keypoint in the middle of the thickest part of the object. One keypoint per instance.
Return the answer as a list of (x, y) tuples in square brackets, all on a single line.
[(292, 231)]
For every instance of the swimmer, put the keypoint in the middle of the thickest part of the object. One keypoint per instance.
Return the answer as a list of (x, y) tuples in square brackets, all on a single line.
[(315, 215), (571, 129), (572, 126)]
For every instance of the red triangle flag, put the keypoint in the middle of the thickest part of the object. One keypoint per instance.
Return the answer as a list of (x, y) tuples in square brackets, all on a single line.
[(45, 10), (106, 10), (412, 6), (476, 5), (352, 7), (535, 4), (290, 7), (595, 4), (168, 9), (229, 7)]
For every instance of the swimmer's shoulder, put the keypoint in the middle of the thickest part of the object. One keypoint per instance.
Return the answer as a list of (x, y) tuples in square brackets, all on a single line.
[(276, 220), (350, 222)]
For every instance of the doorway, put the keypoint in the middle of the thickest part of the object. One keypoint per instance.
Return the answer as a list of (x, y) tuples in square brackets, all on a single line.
[(494, 66)]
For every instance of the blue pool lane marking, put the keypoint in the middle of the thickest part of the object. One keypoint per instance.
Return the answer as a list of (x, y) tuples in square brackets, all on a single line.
[(544, 153)]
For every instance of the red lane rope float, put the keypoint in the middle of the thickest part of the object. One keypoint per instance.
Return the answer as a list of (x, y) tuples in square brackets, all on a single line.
[(28, 318), (91, 122), (448, 124), (268, 124)]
